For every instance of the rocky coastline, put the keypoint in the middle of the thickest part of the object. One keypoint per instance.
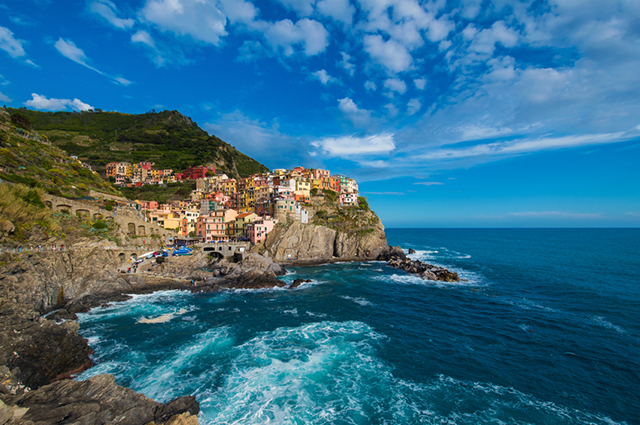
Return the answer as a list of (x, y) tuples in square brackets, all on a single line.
[(424, 270), (40, 294)]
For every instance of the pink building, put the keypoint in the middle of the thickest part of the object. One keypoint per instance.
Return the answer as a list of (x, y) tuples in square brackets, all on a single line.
[(349, 199), (258, 230), (319, 174), (216, 226)]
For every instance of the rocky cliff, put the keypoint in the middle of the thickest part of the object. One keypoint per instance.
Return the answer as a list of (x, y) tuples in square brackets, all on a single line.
[(318, 244)]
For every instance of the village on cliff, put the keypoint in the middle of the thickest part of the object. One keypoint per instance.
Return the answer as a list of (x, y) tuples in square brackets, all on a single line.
[(222, 209)]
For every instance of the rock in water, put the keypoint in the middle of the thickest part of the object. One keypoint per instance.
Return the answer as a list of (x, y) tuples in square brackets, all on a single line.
[(412, 251), (299, 282), (424, 270)]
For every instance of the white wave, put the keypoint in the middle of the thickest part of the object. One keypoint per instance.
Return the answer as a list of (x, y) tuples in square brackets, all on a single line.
[(293, 312), (163, 318), (601, 321), (410, 279), (305, 285), (312, 314), (359, 300)]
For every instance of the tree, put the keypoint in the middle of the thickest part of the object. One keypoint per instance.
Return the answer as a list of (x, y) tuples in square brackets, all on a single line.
[(21, 121)]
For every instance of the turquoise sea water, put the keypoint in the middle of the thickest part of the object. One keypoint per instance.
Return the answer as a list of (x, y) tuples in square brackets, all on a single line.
[(545, 329)]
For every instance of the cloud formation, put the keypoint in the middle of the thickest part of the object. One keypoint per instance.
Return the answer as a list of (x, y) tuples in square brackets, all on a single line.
[(10, 44), (108, 10), (68, 49), (41, 102), (348, 146)]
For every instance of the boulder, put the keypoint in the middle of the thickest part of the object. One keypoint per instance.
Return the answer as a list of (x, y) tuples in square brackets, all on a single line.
[(299, 282)]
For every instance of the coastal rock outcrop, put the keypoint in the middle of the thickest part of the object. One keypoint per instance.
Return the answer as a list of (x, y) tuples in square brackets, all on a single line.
[(97, 400), (308, 243), (253, 272), (424, 270), (301, 242)]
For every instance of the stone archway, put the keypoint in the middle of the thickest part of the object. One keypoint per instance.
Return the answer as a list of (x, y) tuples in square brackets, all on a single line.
[(83, 213), (98, 216), (131, 229), (141, 230), (63, 208), (122, 257)]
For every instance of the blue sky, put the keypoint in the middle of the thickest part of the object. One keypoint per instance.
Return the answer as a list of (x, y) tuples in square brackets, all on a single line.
[(468, 113)]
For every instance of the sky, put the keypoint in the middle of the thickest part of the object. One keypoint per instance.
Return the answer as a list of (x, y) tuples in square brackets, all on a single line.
[(449, 113)]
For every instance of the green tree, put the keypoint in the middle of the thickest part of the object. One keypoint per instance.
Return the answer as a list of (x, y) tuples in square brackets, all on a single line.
[(21, 121)]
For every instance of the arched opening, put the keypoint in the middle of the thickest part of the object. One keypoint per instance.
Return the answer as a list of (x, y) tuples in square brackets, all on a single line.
[(97, 216), (131, 229), (141, 231), (48, 204), (83, 213), (216, 256), (63, 208), (122, 256)]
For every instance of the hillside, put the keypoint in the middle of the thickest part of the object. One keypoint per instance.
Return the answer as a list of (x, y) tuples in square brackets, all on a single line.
[(167, 138)]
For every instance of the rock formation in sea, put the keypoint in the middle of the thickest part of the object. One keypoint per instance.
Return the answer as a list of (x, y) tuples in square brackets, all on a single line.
[(424, 270)]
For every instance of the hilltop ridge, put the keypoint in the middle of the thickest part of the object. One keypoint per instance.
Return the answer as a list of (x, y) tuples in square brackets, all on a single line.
[(167, 138)]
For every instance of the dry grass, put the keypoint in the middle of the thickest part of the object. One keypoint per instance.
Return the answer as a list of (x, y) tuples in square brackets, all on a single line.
[(23, 207)]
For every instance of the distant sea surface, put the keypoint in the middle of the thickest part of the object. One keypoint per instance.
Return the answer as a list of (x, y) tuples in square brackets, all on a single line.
[(543, 329)]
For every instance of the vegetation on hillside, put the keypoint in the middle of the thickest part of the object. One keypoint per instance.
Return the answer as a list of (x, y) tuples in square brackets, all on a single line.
[(26, 158), (21, 208), (172, 192), (168, 139), (329, 213)]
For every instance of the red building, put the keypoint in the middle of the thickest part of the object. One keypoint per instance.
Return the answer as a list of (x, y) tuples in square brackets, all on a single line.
[(193, 173)]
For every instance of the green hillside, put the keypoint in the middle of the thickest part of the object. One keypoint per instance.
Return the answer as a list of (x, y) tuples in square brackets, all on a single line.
[(26, 158), (167, 138)]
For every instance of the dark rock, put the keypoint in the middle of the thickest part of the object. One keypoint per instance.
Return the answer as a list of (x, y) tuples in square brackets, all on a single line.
[(299, 282), (40, 349), (176, 407), (424, 270), (391, 252), (252, 279), (61, 314), (412, 251)]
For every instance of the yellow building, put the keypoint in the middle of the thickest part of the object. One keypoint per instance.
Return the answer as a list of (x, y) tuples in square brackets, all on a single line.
[(241, 222)]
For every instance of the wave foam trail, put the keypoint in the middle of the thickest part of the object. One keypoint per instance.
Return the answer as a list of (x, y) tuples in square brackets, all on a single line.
[(329, 372), (359, 300)]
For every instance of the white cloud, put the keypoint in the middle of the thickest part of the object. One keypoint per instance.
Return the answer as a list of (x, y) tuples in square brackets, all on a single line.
[(301, 7), (390, 54), (524, 146), (359, 117), (439, 29), (42, 103), (370, 86), (395, 85), (347, 64), (348, 146), (339, 10), (429, 183), (413, 106), (484, 42), (324, 77), (10, 44), (5, 98), (143, 37), (392, 110), (108, 10), (239, 10), (68, 49), (200, 20), (311, 35), (420, 83)]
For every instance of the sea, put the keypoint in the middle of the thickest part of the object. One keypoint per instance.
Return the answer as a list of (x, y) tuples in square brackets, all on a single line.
[(543, 328)]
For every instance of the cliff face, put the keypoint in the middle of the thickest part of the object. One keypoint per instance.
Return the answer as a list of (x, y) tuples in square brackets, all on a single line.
[(313, 243)]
